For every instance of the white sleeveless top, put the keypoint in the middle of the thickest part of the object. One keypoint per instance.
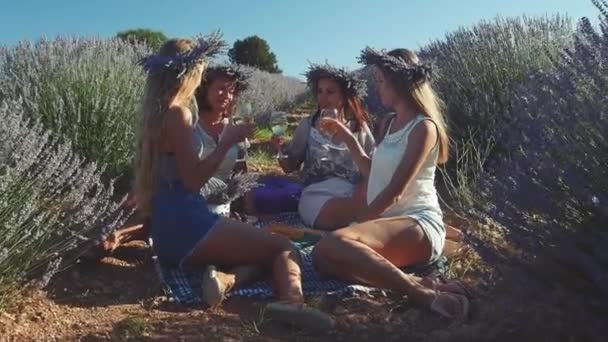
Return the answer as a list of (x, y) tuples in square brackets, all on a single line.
[(420, 194), (208, 145)]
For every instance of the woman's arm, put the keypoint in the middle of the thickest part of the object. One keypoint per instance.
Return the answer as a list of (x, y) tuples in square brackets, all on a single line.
[(360, 157), (420, 143), (343, 134), (195, 173)]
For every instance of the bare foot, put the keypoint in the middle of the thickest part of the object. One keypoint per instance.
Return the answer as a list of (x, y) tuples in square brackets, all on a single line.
[(453, 233)]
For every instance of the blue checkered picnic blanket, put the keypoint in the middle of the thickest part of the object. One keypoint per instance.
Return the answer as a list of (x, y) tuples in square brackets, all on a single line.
[(183, 285)]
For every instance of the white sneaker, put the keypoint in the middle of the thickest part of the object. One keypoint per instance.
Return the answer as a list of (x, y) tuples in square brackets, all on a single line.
[(214, 290)]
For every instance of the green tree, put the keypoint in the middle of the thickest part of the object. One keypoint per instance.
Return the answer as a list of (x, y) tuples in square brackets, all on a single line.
[(254, 51), (154, 39)]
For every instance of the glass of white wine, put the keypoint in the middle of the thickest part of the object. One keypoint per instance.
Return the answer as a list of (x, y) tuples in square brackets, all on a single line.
[(278, 125), (244, 114), (331, 113)]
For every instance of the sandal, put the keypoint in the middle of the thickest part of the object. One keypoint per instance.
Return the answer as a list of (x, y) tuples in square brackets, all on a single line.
[(214, 290), (453, 286), (437, 307), (300, 315)]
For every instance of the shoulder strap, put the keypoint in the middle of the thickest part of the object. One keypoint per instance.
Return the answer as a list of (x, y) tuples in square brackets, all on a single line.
[(383, 127), (424, 118)]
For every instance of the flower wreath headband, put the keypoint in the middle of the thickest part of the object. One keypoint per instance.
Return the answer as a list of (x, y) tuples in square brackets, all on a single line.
[(204, 47), (240, 75), (353, 85), (412, 73)]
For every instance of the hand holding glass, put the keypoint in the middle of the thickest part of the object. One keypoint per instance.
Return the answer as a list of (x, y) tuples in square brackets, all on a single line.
[(244, 115), (278, 122)]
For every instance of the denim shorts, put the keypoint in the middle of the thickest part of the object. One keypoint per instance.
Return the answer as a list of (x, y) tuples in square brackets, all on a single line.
[(433, 227), (180, 220)]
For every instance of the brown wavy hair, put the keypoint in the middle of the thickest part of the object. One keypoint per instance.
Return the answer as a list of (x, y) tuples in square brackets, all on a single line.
[(354, 109)]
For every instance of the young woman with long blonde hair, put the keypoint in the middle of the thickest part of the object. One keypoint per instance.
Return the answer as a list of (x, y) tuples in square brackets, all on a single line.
[(170, 173), (400, 222)]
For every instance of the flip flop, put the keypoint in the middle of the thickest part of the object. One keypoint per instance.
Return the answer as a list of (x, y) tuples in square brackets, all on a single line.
[(455, 318), (456, 286)]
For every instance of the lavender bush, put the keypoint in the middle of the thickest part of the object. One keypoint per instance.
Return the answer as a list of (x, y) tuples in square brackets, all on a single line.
[(557, 134), (477, 73), (268, 92), (551, 190), (52, 204), (479, 69), (89, 91), (86, 89)]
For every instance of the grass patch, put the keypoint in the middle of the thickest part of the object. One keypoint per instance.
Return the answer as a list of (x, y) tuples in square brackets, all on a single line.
[(261, 158), (254, 326), (263, 134), (130, 329)]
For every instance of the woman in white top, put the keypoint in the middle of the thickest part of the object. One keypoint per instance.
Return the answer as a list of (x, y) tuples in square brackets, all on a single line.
[(216, 98), (402, 222)]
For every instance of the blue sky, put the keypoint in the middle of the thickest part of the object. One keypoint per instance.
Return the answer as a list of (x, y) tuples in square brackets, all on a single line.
[(297, 31)]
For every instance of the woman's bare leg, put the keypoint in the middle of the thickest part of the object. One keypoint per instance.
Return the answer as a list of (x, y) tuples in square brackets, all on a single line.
[(216, 284), (453, 233), (231, 243), (338, 212), (371, 252)]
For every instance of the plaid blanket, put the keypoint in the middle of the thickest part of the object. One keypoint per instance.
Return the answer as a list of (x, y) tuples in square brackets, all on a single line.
[(183, 286)]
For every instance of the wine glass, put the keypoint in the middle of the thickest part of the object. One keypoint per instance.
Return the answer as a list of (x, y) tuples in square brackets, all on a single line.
[(244, 114), (278, 123), (331, 113)]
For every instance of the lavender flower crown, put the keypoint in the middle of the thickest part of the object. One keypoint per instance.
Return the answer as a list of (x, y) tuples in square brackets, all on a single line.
[(397, 67), (204, 47), (240, 75), (349, 81)]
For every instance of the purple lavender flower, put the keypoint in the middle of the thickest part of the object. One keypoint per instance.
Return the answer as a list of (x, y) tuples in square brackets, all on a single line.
[(205, 47)]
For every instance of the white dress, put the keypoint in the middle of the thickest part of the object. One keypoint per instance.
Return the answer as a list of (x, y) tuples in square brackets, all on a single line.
[(419, 201)]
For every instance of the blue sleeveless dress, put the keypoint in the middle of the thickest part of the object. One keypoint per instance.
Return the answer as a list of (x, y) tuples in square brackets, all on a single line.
[(180, 218)]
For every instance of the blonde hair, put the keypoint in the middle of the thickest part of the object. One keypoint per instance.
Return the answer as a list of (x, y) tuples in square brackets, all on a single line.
[(422, 97), (163, 90)]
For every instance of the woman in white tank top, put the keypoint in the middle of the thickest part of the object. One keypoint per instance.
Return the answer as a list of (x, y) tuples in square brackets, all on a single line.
[(402, 222)]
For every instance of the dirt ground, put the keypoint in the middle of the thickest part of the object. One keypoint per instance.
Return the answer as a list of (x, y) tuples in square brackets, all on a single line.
[(120, 298)]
